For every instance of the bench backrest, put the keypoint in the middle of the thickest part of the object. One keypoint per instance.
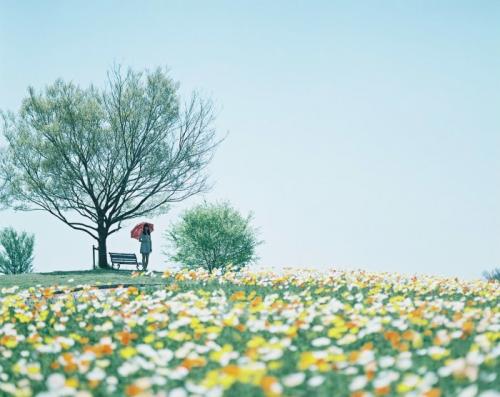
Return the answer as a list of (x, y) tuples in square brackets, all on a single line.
[(123, 258)]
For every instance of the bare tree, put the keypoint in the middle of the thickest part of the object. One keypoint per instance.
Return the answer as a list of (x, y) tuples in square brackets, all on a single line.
[(97, 158)]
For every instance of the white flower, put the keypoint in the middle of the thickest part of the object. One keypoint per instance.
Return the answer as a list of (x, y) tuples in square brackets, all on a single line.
[(335, 305), (430, 378), (411, 380), (276, 388), (404, 363), (293, 380), (386, 361), (59, 327), (146, 350), (385, 378), (83, 393), (315, 381), (112, 380), (55, 381), (318, 342), (177, 392), (358, 383), (443, 372), (159, 380), (272, 354), (195, 389), (490, 393), (143, 383), (470, 391), (164, 356), (215, 392), (366, 357), (8, 388), (103, 363), (474, 358), (347, 339), (96, 374), (178, 373), (127, 368)]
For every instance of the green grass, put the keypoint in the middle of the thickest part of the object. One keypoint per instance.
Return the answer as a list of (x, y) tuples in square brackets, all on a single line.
[(93, 277)]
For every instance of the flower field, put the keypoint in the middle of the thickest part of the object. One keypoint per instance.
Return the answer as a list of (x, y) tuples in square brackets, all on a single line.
[(297, 333)]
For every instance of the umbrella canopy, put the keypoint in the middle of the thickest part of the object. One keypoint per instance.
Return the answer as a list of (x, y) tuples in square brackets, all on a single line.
[(137, 230)]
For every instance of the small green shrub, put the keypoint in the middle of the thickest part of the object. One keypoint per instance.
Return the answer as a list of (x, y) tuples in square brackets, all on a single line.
[(213, 236), (492, 275), (17, 255)]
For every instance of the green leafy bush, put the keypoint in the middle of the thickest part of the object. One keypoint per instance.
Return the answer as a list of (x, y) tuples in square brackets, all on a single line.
[(492, 275), (16, 255), (213, 236)]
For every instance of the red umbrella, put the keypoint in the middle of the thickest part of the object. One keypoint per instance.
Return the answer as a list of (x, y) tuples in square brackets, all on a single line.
[(137, 230)]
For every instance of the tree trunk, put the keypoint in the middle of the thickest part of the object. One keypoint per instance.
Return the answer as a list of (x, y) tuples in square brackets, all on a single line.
[(103, 251)]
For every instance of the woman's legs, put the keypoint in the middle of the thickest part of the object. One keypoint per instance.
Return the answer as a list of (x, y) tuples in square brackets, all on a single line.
[(144, 260)]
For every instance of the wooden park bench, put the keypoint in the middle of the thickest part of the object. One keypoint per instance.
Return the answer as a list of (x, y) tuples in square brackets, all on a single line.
[(118, 259)]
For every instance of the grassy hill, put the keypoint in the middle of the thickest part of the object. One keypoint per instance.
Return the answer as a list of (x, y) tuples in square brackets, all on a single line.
[(95, 277)]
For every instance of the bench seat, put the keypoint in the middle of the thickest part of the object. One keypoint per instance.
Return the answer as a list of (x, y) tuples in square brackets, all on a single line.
[(121, 259)]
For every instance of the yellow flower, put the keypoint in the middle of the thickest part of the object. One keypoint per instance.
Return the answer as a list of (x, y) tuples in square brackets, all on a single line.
[(403, 388), (33, 369), (273, 365), (72, 383), (256, 341), (306, 360), (128, 352), (149, 338), (337, 332)]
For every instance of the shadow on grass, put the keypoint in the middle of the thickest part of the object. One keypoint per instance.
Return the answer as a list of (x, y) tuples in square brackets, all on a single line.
[(85, 272)]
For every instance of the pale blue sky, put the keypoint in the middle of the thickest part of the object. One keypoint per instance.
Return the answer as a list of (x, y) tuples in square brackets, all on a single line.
[(361, 134)]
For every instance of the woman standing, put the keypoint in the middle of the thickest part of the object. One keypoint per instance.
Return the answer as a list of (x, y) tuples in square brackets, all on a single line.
[(146, 246)]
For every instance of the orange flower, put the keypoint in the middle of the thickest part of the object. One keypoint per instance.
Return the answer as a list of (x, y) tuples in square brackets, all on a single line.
[(433, 393), (99, 350), (232, 370), (468, 327), (367, 346), (70, 367), (93, 383), (125, 337), (189, 363), (239, 295), (353, 356), (392, 337), (267, 383), (133, 390), (382, 391)]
